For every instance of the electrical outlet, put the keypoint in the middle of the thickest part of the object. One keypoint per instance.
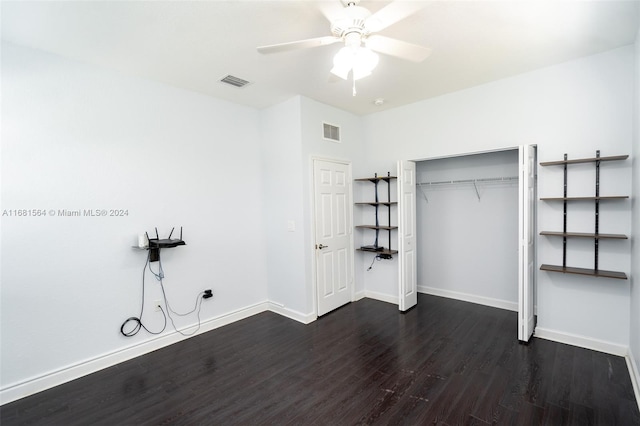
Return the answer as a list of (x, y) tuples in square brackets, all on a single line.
[(158, 304)]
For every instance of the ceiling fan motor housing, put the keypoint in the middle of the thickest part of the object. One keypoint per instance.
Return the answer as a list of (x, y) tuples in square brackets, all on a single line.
[(353, 20)]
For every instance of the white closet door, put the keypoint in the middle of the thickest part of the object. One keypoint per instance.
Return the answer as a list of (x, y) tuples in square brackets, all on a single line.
[(526, 268), (408, 296)]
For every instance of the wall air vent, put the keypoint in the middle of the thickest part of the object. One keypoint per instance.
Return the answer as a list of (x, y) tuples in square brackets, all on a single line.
[(331, 132), (234, 81)]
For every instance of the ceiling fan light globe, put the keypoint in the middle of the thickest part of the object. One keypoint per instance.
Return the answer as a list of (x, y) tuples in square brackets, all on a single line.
[(343, 73), (366, 59), (360, 72), (343, 62), (344, 58)]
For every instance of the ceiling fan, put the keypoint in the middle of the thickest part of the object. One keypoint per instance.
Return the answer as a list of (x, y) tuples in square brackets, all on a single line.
[(355, 26)]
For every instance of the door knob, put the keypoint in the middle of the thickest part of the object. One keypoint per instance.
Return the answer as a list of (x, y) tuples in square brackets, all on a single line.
[(320, 246)]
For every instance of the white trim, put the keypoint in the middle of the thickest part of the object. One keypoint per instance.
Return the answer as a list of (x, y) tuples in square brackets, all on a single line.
[(466, 297), (359, 295), (280, 309), (381, 297), (582, 341), (597, 345), (634, 373), (37, 384)]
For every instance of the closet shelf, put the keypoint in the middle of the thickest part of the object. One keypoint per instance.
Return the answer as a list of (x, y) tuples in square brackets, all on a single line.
[(584, 235), (584, 160), (600, 198), (471, 181), (584, 271)]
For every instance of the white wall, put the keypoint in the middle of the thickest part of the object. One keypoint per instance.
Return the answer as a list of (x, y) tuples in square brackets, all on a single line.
[(283, 189), (314, 145), (78, 137), (576, 107), (455, 225), (292, 133)]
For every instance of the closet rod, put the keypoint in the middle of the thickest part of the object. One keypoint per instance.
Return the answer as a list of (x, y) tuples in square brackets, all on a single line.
[(474, 182), (471, 181)]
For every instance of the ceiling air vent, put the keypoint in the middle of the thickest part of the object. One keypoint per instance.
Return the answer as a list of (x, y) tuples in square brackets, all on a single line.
[(331, 132), (234, 81)]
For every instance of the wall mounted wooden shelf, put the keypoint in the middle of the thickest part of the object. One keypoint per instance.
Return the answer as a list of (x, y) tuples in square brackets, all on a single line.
[(584, 235), (609, 197), (585, 160), (584, 271), (376, 178), (596, 236), (379, 203), (383, 251), (386, 228)]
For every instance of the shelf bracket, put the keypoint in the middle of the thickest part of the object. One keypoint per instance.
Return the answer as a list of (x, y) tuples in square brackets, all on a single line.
[(564, 216), (424, 194), (476, 188), (597, 218)]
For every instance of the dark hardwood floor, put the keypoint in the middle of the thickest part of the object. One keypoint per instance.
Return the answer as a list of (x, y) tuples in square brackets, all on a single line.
[(444, 362)]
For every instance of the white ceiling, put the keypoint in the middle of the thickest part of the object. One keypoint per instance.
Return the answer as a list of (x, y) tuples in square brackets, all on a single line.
[(193, 44)]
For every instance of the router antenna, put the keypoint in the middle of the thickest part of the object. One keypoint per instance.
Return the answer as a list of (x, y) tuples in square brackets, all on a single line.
[(181, 232), (171, 233), (157, 237)]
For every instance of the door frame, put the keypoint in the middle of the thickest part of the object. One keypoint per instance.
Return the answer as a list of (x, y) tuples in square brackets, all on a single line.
[(535, 221), (312, 239)]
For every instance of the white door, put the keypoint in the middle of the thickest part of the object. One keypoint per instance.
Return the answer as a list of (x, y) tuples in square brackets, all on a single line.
[(333, 234), (526, 268), (408, 296)]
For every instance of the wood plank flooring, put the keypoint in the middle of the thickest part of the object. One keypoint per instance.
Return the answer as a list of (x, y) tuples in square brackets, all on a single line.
[(445, 362)]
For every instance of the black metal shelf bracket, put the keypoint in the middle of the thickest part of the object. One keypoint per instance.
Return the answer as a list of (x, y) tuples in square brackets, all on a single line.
[(597, 209), (564, 225)]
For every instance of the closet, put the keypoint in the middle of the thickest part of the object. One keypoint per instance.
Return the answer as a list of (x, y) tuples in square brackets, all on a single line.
[(467, 211)]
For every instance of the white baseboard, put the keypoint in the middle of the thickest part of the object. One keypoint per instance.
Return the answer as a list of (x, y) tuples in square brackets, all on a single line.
[(582, 341), (291, 314), (634, 372), (466, 297), (359, 295), (381, 297), (37, 384), (600, 346)]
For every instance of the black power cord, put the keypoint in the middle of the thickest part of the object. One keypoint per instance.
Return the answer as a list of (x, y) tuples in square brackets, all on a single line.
[(138, 320), (379, 256)]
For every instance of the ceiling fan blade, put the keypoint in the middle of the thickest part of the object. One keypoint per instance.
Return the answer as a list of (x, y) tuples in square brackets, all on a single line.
[(300, 44), (398, 48), (330, 10), (392, 13), (332, 78)]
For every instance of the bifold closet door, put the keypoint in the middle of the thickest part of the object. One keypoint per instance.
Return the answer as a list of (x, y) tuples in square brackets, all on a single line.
[(526, 230), (408, 291)]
